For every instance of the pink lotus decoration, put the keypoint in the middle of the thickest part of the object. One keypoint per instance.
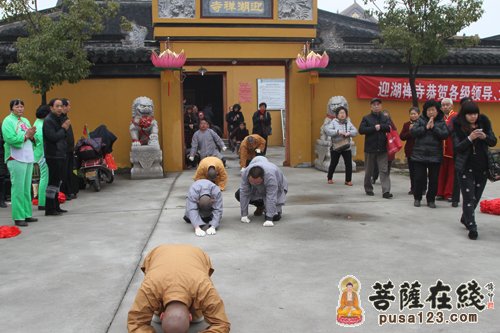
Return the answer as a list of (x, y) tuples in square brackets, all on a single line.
[(312, 61), (168, 59)]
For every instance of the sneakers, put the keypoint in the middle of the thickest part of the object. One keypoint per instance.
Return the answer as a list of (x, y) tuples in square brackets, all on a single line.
[(416, 203), (431, 204), (21, 223), (31, 219), (387, 195), (370, 193), (259, 211), (348, 183)]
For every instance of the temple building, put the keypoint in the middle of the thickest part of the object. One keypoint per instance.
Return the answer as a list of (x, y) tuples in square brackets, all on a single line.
[(244, 52)]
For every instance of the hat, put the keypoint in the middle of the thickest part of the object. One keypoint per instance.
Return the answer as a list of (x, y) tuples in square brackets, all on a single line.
[(375, 99)]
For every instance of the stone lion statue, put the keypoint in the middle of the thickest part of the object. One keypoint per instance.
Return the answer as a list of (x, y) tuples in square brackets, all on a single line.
[(143, 127)]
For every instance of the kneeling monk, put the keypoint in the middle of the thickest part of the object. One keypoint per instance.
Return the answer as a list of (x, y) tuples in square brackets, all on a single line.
[(177, 284)]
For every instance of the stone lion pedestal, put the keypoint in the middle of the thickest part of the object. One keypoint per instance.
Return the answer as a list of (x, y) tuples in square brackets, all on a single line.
[(146, 162)]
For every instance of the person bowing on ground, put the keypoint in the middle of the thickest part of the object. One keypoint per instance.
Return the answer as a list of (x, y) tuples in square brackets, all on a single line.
[(204, 207), (250, 147), (212, 168), (177, 285), (264, 186)]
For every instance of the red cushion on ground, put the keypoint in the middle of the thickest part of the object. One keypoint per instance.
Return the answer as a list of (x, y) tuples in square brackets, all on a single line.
[(8, 231)]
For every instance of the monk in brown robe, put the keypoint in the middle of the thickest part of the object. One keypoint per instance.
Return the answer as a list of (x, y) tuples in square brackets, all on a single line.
[(349, 303), (177, 284)]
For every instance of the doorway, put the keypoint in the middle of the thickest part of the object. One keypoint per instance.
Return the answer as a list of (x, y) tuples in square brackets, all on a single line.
[(206, 92)]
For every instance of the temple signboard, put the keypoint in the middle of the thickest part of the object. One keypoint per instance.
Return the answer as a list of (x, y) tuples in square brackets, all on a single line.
[(237, 8)]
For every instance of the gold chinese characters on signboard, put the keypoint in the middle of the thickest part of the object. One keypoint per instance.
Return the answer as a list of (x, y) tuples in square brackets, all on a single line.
[(237, 8)]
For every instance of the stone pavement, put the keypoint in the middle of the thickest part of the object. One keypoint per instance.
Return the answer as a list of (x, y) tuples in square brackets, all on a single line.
[(79, 272)]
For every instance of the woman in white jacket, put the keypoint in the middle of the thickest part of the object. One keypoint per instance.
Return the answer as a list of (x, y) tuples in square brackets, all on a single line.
[(341, 130)]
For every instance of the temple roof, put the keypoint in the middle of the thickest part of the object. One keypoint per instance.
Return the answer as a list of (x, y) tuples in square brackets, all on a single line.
[(349, 42), (358, 12)]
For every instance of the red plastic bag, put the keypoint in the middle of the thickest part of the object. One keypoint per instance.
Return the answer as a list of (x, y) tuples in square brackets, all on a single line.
[(9, 231), (110, 161), (490, 206), (394, 143), (61, 197)]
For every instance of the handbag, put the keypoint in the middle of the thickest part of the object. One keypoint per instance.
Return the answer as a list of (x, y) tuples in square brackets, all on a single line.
[(493, 166), (343, 144), (394, 143)]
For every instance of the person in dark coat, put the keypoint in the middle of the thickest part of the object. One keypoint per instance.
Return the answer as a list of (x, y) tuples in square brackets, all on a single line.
[(190, 125), (375, 126), (234, 118), (472, 135), (410, 142), (55, 129), (429, 132), (67, 186), (262, 123)]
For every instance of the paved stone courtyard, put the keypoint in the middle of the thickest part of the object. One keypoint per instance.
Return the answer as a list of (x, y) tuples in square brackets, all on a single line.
[(78, 273)]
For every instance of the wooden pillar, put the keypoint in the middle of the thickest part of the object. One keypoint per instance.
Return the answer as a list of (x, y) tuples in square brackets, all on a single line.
[(299, 138), (171, 121)]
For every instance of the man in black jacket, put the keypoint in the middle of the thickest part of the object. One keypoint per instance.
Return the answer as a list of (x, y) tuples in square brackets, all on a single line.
[(375, 126), (54, 138), (67, 186)]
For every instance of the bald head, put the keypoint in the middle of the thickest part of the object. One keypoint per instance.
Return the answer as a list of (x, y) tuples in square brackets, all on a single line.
[(212, 173), (205, 205), (175, 318)]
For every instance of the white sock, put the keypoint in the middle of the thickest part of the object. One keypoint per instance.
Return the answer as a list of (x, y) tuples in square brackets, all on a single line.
[(199, 232), (211, 231)]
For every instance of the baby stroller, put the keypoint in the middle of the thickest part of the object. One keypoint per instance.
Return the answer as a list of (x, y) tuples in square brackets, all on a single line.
[(94, 157)]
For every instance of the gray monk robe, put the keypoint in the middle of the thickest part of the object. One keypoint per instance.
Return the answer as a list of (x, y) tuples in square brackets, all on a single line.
[(207, 142), (199, 188), (272, 190)]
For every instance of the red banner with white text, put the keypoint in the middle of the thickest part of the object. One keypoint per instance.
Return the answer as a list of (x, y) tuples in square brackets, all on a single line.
[(391, 88)]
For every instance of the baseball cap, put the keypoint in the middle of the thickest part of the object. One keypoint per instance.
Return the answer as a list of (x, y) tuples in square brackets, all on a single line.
[(375, 99)]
